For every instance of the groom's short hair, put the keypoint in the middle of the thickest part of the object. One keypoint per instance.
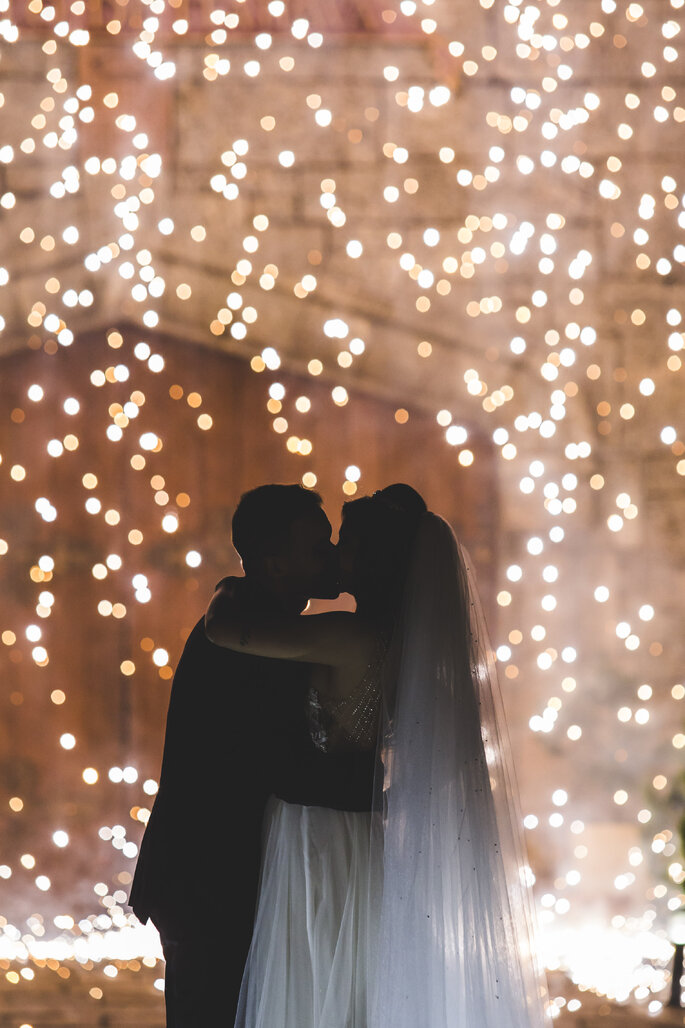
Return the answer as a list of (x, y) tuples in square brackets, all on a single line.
[(264, 517)]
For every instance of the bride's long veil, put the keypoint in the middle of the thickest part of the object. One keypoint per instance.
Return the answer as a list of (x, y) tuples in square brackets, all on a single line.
[(455, 926)]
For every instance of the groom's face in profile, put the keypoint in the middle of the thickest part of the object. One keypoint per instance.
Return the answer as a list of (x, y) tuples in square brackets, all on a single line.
[(310, 559)]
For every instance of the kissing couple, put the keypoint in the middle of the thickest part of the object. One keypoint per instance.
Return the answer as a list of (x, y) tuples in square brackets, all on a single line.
[(336, 840)]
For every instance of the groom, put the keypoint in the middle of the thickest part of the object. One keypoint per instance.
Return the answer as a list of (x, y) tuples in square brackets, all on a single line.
[(236, 732)]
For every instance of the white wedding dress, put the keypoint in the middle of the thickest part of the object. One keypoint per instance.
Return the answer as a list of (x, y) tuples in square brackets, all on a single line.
[(317, 918), (314, 931), (417, 914)]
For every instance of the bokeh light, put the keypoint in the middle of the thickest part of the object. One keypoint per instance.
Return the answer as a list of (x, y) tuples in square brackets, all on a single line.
[(483, 226)]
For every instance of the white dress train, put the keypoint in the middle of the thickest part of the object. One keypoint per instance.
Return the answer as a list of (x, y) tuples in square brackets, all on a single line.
[(313, 943)]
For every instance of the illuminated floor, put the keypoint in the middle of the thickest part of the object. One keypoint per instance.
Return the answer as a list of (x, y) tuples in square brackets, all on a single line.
[(86, 999), (597, 1012), (605, 1014), (617, 1017), (90, 999)]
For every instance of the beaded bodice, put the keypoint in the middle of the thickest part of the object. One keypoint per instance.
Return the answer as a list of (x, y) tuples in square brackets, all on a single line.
[(349, 721)]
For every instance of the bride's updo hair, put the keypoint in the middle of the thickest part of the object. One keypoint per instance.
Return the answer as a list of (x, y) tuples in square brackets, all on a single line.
[(384, 527), (403, 498)]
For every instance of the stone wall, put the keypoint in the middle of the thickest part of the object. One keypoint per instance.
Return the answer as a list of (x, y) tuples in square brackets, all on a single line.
[(575, 76)]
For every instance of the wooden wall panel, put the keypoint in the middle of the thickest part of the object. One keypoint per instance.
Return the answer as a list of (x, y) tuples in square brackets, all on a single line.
[(118, 719)]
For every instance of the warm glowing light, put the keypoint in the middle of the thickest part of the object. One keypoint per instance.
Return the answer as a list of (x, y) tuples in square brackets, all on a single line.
[(573, 385)]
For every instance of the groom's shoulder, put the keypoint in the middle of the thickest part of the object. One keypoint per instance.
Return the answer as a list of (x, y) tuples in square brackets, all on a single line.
[(202, 666), (198, 646), (202, 655)]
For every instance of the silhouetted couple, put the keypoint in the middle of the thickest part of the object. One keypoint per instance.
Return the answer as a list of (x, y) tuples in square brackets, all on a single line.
[(334, 843)]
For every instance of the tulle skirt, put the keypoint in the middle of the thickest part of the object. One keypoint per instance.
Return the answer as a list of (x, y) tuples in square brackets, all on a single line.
[(314, 938)]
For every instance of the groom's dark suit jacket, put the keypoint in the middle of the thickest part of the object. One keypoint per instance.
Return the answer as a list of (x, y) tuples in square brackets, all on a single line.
[(236, 732)]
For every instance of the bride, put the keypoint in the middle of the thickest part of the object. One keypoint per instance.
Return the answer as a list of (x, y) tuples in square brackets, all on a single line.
[(416, 914)]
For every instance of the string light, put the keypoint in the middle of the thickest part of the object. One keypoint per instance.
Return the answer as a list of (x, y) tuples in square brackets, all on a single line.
[(459, 269)]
